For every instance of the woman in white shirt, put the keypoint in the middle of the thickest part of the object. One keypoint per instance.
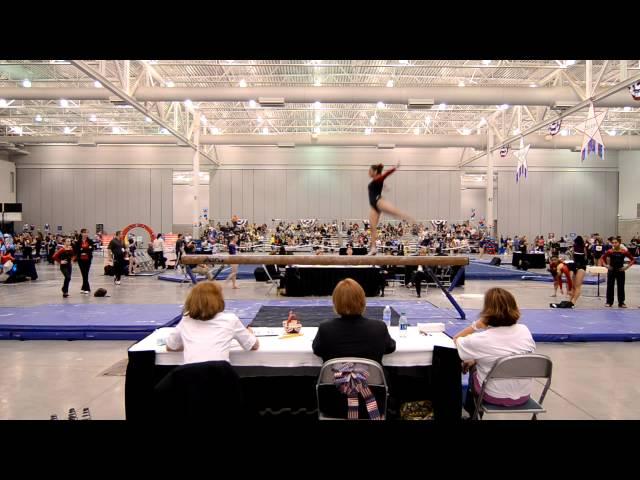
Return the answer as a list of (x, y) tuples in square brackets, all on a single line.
[(494, 335), (206, 332), (158, 252)]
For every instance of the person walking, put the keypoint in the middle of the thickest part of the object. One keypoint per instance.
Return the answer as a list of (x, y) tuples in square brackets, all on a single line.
[(65, 256), (84, 253), (116, 246), (613, 259)]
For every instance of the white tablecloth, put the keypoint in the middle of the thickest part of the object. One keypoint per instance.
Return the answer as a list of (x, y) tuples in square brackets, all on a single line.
[(413, 350)]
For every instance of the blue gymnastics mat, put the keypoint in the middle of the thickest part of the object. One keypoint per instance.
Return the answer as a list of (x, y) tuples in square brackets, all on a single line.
[(85, 321), (245, 272), (480, 270), (571, 325)]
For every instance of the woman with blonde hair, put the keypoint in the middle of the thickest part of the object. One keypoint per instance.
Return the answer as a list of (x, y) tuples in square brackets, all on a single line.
[(205, 332), (494, 335), (352, 335)]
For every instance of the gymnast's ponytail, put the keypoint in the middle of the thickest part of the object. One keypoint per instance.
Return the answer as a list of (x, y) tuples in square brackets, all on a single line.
[(377, 168)]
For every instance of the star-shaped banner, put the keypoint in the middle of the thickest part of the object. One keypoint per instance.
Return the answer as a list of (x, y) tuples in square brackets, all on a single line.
[(521, 155), (592, 139)]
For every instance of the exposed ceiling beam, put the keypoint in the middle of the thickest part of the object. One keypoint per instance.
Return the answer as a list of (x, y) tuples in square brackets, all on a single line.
[(595, 98), (90, 72)]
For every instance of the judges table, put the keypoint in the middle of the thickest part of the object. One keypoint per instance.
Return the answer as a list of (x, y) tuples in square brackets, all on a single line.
[(282, 373), (536, 260), (303, 280)]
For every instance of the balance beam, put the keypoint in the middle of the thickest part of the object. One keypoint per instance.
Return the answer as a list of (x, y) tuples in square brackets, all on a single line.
[(340, 260)]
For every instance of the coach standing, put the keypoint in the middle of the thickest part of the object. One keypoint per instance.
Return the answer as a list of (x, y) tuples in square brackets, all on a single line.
[(84, 254), (613, 259)]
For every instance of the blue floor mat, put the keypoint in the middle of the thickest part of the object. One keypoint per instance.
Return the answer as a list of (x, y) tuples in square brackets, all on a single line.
[(82, 321), (571, 325)]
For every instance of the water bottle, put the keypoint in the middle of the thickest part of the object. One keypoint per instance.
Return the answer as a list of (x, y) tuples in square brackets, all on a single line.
[(404, 325), (386, 316)]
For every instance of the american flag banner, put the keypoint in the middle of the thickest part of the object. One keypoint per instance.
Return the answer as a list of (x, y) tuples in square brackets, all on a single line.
[(554, 128), (504, 151), (473, 214), (592, 147), (352, 381), (635, 91)]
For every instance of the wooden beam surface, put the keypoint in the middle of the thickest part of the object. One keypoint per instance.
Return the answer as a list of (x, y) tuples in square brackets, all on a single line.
[(346, 260)]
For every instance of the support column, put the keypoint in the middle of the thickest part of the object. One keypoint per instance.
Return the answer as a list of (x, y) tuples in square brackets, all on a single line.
[(489, 192), (196, 178)]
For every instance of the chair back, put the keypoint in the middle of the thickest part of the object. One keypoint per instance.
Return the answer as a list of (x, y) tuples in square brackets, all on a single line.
[(522, 366), (199, 391), (336, 401)]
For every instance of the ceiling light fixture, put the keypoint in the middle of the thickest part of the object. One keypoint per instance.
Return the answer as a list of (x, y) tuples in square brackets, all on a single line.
[(380, 105), (64, 103), (115, 130), (390, 83), (627, 109), (442, 106), (265, 131), (146, 119), (93, 118), (170, 84), (188, 103), (252, 104), (67, 130), (461, 83), (317, 105), (97, 84), (317, 83), (612, 133), (316, 130), (564, 132), (486, 62), (367, 131), (3, 103), (416, 131), (38, 118), (214, 131), (260, 120), (26, 83), (427, 120), (466, 131), (372, 120), (243, 83), (404, 62), (17, 130), (164, 131)]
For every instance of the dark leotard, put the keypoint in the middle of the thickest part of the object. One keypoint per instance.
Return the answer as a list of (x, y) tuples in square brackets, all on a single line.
[(375, 188)]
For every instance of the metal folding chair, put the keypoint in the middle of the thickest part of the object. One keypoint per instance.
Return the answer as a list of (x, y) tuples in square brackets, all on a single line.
[(376, 380), (524, 366)]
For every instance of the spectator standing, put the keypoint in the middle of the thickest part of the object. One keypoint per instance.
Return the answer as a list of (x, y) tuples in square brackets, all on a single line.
[(65, 257), (84, 254), (116, 246)]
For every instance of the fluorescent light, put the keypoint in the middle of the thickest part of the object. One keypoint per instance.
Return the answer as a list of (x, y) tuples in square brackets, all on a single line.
[(17, 130), (533, 85), (260, 120), (243, 83), (627, 109), (317, 105), (153, 62), (170, 84), (148, 119), (404, 62), (188, 103), (372, 120), (252, 104), (486, 62), (504, 106), (416, 131), (38, 118), (26, 83), (317, 83), (564, 132), (465, 131), (427, 120), (97, 84), (483, 121), (390, 83), (367, 131), (164, 131), (442, 106), (516, 131), (461, 83), (316, 130), (67, 130), (115, 130), (612, 133), (380, 105), (64, 103), (214, 131), (570, 62), (317, 118), (3, 103), (93, 118), (265, 130)]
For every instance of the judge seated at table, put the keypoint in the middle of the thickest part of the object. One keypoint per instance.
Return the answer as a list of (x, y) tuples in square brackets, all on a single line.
[(205, 332), (352, 335)]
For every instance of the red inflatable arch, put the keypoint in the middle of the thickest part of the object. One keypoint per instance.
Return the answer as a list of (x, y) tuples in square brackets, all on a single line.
[(126, 229)]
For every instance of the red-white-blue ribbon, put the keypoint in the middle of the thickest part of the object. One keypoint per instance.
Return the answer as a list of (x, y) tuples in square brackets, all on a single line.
[(352, 381)]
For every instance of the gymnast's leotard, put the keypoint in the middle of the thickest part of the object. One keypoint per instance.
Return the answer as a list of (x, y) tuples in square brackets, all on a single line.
[(375, 188)]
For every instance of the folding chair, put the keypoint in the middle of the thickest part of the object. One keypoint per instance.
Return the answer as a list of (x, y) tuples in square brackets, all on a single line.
[(516, 367), (326, 389)]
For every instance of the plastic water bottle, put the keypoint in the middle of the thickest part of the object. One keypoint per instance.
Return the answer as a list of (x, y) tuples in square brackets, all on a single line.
[(386, 316), (404, 325)]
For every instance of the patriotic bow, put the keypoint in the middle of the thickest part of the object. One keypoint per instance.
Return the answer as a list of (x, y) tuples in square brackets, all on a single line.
[(635, 91), (351, 381), (554, 128)]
